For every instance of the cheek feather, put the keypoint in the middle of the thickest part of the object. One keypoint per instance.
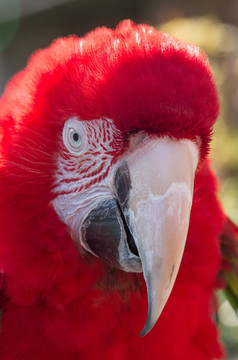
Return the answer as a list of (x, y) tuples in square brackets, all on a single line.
[(82, 178), (78, 177), (77, 172)]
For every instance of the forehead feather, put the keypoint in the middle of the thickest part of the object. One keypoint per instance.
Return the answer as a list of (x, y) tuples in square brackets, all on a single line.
[(134, 74)]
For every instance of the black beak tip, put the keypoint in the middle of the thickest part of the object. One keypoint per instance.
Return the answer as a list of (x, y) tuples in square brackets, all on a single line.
[(151, 320), (148, 326)]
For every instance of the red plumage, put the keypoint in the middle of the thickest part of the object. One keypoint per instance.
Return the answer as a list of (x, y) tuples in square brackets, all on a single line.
[(65, 305)]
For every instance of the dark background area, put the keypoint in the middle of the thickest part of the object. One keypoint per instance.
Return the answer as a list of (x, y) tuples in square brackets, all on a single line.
[(26, 25)]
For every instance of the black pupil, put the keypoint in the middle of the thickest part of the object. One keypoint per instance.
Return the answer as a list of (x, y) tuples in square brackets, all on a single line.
[(76, 136)]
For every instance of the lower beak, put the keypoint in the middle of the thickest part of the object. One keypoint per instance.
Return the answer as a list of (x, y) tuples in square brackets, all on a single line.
[(149, 218)]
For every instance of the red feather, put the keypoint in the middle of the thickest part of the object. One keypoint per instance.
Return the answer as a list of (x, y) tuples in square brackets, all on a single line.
[(62, 305)]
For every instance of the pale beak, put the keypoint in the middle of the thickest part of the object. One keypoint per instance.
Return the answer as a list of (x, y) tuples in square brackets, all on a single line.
[(157, 211), (143, 226)]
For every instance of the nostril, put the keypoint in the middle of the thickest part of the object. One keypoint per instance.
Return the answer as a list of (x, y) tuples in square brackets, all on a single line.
[(137, 139)]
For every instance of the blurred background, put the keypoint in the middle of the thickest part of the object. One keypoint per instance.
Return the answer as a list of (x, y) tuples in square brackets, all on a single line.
[(26, 25)]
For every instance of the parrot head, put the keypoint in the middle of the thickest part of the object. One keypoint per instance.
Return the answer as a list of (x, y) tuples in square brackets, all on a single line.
[(110, 129)]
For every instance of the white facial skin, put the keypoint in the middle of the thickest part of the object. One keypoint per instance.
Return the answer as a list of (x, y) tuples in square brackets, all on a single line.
[(84, 170)]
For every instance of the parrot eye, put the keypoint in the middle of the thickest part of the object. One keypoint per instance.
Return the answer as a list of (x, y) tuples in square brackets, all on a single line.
[(74, 138)]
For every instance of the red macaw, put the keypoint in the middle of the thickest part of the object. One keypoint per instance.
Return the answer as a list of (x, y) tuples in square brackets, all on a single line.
[(104, 180)]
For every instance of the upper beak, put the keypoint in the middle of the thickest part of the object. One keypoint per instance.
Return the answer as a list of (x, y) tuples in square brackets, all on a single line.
[(146, 224)]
